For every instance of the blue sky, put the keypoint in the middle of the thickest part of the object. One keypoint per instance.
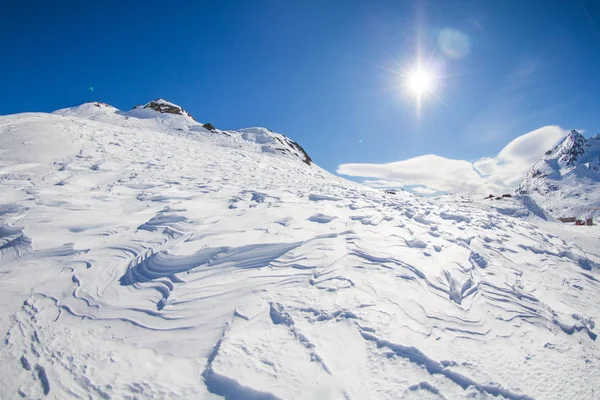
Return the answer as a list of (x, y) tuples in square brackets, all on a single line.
[(325, 73)]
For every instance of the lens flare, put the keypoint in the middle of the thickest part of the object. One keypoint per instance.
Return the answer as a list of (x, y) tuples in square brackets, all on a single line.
[(454, 44)]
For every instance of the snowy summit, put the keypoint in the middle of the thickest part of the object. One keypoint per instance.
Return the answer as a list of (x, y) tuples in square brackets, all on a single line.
[(146, 255), (163, 106), (566, 181), (162, 115)]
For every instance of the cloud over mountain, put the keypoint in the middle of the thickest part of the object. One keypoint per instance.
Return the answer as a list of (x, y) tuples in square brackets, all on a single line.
[(432, 173)]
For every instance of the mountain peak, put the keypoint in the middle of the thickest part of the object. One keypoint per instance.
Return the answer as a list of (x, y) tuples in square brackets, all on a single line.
[(566, 181), (574, 138), (574, 133), (570, 149), (165, 107)]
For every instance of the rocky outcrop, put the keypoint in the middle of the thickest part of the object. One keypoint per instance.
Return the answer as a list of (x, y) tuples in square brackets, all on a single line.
[(166, 107), (209, 127), (295, 148)]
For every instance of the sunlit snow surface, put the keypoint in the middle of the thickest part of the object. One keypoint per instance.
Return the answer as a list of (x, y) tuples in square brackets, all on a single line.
[(145, 257)]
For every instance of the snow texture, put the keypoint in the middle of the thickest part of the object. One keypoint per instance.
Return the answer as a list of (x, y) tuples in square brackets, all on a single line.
[(145, 256)]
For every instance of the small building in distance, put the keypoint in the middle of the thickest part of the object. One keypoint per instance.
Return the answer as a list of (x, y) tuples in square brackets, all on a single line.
[(568, 219)]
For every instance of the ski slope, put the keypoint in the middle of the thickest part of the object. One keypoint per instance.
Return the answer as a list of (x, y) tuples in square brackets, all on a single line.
[(145, 257)]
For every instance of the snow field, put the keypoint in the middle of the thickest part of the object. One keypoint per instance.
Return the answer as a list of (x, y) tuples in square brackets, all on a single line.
[(139, 260)]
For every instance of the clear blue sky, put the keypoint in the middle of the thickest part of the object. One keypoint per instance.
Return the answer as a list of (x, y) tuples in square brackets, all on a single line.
[(322, 72)]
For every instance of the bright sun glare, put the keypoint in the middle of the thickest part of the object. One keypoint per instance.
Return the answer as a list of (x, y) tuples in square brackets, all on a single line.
[(420, 82)]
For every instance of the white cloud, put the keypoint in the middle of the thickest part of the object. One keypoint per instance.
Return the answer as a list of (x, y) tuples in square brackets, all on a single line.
[(506, 170), (430, 170), (382, 183), (498, 174), (423, 190)]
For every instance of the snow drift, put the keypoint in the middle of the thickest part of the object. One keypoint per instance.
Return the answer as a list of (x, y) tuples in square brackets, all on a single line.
[(145, 256)]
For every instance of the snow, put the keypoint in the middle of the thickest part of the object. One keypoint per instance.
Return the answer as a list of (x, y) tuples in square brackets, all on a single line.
[(566, 181), (142, 256)]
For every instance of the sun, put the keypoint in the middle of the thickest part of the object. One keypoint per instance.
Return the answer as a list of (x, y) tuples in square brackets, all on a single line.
[(420, 82)]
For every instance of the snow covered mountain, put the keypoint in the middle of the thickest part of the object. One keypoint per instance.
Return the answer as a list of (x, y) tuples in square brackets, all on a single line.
[(566, 181), (163, 115), (144, 255)]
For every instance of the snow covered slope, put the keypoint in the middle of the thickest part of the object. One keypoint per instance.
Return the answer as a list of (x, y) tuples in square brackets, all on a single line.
[(566, 181), (161, 115), (144, 256)]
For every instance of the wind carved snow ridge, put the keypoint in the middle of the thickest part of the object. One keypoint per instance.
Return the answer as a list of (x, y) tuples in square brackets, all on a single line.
[(165, 265), (41, 373), (132, 321), (280, 317), (416, 356)]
